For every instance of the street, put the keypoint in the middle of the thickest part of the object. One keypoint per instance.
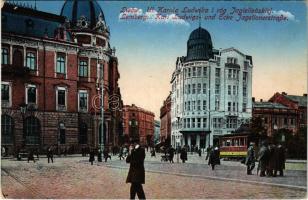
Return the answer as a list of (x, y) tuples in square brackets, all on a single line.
[(75, 177)]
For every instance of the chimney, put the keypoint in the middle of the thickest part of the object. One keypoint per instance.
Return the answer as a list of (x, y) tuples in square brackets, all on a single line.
[(261, 100), (304, 95), (283, 93), (253, 99)]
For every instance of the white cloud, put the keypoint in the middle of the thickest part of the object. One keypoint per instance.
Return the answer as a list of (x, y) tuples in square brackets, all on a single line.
[(287, 14), (151, 17)]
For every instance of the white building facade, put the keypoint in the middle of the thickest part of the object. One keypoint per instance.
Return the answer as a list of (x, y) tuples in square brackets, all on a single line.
[(211, 92)]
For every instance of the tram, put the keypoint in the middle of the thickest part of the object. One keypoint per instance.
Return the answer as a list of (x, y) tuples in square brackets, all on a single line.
[(234, 146)]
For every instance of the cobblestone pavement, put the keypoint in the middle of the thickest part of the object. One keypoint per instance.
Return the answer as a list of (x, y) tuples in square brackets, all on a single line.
[(74, 177)]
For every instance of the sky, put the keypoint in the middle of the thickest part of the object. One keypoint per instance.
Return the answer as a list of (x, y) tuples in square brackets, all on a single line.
[(147, 49)]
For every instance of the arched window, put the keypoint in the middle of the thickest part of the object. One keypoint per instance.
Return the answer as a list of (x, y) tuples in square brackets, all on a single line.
[(17, 58), (7, 127), (83, 129), (32, 130)]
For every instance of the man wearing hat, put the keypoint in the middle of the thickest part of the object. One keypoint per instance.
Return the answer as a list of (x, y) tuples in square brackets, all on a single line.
[(136, 174), (250, 159)]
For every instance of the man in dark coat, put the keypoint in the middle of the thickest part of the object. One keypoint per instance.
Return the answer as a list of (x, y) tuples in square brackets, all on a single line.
[(280, 160), (183, 155), (263, 158), (106, 154), (171, 154), (271, 165), (208, 151), (50, 154), (250, 159), (136, 174), (214, 157), (92, 156)]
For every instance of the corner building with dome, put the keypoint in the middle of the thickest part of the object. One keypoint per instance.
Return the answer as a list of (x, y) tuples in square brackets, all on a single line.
[(211, 92), (52, 68)]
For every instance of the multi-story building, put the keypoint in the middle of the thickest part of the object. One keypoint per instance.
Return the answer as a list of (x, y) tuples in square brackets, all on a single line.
[(211, 92), (138, 123), (165, 120), (299, 103), (282, 111), (275, 116), (156, 131), (51, 78)]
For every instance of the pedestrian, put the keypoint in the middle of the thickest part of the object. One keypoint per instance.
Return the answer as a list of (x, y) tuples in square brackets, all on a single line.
[(208, 151), (31, 156), (121, 153), (214, 158), (106, 154), (263, 158), (171, 154), (250, 159), (153, 153), (271, 165), (92, 156), (280, 160), (50, 154), (199, 152), (183, 155), (136, 173)]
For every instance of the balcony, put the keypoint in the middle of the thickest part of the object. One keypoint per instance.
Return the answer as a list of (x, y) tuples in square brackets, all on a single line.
[(12, 70), (232, 65)]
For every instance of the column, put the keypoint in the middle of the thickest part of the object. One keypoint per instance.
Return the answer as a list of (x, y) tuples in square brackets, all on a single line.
[(189, 141), (207, 140), (198, 141)]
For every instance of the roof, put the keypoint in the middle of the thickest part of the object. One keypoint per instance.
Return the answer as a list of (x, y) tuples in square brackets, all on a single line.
[(269, 105), (30, 22), (302, 100)]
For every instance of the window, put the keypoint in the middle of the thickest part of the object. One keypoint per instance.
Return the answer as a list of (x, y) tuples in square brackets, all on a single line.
[(199, 88), (189, 72), (230, 73), (217, 72), (234, 90), (217, 88), (32, 130), (185, 125), (199, 71), (229, 89), (188, 108), (193, 105), (185, 106), (31, 60), (204, 88), (7, 127), (285, 121), (198, 105), (204, 122), (193, 89), (83, 68), (194, 71), (193, 121), (61, 64), (245, 79), (229, 106), (188, 123), (83, 139), (31, 94), (61, 98), (217, 104), (244, 91), (5, 92), (83, 100), (205, 71), (18, 58), (292, 121), (204, 104), (5, 56), (189, 89), (199, 122), (244, 107)]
